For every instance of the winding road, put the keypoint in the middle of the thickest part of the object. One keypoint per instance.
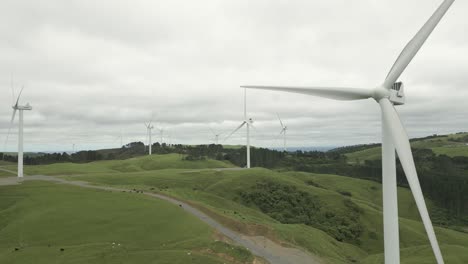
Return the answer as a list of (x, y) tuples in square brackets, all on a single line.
[(258, 245)]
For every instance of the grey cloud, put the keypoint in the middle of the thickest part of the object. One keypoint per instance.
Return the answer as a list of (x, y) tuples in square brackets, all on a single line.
[(94, 70)]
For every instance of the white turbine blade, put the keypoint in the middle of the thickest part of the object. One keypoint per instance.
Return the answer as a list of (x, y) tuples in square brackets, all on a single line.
[(280, 120), (330, 92), (19, 95), (9, 128), (13, 117), (235, 130), (12, 89), (282, 131), (415, 44), (403, 148), (214, 134)]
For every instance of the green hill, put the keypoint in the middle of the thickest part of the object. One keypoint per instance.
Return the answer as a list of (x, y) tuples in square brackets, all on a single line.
[(338, 218), (450, 145), (335, 217), (44, 222), (142, 163)]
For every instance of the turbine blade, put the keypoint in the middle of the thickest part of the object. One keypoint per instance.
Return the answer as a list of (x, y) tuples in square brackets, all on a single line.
[(212, 132), (280, 120), (12, 89), (282, 131), (415, 44), (19, 95), (403, 148), (9, 128), (13, 117), (330, 92), (235, 130)]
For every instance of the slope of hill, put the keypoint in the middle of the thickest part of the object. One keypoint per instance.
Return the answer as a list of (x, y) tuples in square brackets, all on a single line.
[(142, 163), (344, 219), (338, 218), (450, 145), (43, 222)]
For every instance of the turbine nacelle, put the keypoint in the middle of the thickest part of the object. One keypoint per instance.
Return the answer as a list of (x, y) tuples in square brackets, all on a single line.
[(22, 107), (395, 93)]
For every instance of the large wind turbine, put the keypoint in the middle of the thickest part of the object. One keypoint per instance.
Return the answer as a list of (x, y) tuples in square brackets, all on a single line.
[(283, 132), (394, 136), (149, 127), (247, 123), (20, 109)]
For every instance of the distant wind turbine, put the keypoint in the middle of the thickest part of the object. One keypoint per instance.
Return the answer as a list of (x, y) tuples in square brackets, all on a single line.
[(149, 127), (20, 109), (394, 136), (216, 135), (247, 123), (283, 132), (161, 133)]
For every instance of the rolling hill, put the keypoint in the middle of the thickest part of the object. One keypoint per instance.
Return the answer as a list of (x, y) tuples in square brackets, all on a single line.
[(450, 145), (343, 222)]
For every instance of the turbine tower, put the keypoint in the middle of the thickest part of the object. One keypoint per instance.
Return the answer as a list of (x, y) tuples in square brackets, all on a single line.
[(149, 127), (283, 132), (248, 123), (20, 109), (394, 137)]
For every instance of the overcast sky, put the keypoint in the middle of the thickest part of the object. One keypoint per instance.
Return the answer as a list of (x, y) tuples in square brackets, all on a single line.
[(96, 70)]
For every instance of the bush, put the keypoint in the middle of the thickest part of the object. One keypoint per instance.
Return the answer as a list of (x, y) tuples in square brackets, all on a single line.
[(288, 205)]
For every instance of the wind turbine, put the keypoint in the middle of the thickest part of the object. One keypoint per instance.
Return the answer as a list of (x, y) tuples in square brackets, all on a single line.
[(247, 123), (394, 137), (161, 133), (149, 127), (283, 132), (216, 135), (20, 109)]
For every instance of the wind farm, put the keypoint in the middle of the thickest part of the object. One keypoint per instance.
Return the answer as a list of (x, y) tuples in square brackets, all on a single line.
[(245, 162)]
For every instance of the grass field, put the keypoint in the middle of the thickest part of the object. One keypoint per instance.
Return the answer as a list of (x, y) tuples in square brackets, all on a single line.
[(440, 145), (39, 219), (218, 194), (139, 164)]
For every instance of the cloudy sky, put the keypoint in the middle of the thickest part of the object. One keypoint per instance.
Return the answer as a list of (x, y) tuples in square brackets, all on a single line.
[(96, 70)]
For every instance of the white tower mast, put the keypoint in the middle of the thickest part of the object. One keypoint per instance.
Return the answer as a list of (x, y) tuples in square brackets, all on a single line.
[(19, 108)]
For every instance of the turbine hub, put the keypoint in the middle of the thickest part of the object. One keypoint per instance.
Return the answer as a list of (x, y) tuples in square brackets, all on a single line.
[(23, 107), (380, 92)]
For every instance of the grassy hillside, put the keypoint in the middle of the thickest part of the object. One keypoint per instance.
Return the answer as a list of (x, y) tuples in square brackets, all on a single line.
[(450, 145), (335, 199), (143, 163), (337, 218), (51, 223)]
